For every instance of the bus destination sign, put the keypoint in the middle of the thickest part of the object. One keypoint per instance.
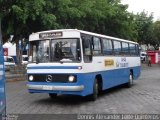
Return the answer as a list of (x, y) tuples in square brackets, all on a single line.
[(50, 35)]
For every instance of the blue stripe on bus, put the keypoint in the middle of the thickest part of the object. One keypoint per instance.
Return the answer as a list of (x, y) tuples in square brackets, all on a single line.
[(110, 78), (54, 67)]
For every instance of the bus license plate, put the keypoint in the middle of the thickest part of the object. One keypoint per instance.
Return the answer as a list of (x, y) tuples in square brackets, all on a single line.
[(47, 87)]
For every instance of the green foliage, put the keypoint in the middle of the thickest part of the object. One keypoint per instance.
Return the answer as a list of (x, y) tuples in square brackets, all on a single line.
[(28, 9), (100, 16), (110, 17), (144, 24), (26, 17), (157, 30), (156, 33), (48, 20)]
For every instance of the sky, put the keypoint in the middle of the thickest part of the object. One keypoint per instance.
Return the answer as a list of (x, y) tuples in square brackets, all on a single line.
[(147, 5)]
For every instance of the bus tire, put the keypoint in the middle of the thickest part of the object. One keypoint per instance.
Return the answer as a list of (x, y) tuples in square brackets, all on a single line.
[(94, 96), (52, 95), (130, 82)]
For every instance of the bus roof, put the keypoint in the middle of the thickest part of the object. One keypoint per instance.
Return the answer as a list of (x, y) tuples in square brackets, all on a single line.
[(84, 32)]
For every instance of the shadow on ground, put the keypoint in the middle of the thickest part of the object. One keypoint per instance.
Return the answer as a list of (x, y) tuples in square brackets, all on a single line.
[(76, 100)]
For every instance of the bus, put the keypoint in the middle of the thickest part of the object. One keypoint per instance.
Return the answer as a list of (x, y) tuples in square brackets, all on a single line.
[(2, 85), (76, 62)]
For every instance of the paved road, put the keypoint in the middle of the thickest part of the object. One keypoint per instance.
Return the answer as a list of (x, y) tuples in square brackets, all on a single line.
[(143, 97)]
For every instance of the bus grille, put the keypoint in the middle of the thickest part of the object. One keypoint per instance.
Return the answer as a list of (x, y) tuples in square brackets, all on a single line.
[(61, 78)]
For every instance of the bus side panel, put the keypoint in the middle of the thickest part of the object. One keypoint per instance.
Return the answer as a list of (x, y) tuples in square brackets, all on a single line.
[(115, 77), (86, 79), (136, 72), (112, 78)]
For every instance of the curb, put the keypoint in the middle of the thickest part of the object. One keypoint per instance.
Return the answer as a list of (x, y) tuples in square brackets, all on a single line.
[(15, 77), (14, 80)]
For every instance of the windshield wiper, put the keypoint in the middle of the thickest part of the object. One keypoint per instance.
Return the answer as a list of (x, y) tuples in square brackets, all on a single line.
[(66, 60)]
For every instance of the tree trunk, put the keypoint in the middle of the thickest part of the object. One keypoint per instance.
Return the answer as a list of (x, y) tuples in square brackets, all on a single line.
[(19, 50), (0, 32)]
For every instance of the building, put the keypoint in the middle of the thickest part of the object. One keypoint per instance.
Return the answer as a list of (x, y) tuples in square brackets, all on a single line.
[(10, 50)]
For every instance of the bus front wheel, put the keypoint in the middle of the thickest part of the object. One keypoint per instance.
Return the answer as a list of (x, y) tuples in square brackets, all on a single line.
[(52, 95), (94, 96)]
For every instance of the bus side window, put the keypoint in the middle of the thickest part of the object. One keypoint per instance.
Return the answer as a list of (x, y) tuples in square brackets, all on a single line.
[(96, 46), (137, 50), (87, 54), (132, 48), (117, 47), (107, 47), (125, 48)]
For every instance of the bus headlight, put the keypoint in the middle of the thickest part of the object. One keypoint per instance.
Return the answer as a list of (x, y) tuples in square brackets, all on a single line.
[(31, 78), (71, 78)]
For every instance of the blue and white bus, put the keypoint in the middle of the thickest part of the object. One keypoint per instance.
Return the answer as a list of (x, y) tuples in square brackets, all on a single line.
[(2, 85), (76, 62)]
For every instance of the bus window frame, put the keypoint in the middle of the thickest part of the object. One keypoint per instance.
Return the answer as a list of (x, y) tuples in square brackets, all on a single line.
[(137, 50), (50, 41), (120, 52), (103, 39), (125, 53), (101, 47), (131, 53), (31, 49), (83, 38)]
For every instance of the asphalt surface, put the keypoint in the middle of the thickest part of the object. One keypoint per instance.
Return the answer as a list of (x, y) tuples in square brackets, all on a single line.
[(142, 98)]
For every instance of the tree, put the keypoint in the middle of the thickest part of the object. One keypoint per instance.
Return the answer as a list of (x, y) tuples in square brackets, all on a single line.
[(21, 17), (156, 33), (144, 26), (4, 10), (101, 16), (109, 17)]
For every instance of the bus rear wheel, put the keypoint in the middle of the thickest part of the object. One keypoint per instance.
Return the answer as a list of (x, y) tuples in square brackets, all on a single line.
[(94, 96), (130, 82), (52, 95)]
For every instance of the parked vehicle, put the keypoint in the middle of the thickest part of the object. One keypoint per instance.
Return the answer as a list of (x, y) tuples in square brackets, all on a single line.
[(9, 62), (143, 56), (24, 59), (10, 50)]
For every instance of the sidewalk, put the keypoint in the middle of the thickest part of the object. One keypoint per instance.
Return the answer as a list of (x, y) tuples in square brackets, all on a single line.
[(17, 73), (15, 77), (145, 65)]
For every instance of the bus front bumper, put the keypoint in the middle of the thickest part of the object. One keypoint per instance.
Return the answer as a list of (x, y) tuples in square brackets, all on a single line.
[(55, 88)]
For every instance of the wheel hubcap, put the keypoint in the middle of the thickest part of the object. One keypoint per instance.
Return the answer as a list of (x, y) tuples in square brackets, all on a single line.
[(131, 79), (96, 88)]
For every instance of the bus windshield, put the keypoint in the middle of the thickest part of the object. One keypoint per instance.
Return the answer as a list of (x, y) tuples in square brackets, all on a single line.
[(56, 50)]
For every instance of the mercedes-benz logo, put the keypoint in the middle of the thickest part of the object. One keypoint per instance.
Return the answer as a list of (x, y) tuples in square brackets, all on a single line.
[(49, 78)]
